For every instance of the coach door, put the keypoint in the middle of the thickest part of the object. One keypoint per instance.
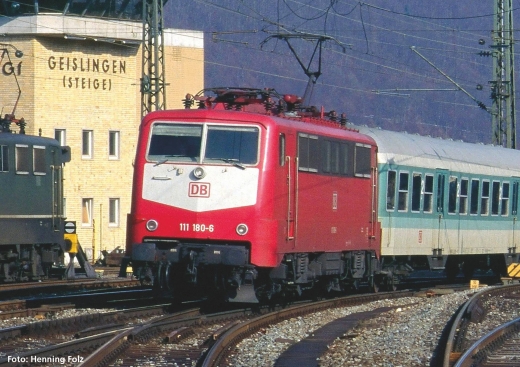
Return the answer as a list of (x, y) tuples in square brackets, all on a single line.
[(440, 238), (514, 213)]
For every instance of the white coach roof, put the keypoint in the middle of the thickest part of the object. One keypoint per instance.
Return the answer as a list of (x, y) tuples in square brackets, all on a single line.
[(404, 149)]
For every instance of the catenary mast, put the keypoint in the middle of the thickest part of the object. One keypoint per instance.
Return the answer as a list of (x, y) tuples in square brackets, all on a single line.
[(153, 94), (503, 85)]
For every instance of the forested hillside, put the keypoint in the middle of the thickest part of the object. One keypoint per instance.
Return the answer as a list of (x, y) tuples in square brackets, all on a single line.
[(369, 70)]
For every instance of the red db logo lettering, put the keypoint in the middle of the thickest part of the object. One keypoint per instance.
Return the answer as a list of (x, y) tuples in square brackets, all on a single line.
[(199, 190)]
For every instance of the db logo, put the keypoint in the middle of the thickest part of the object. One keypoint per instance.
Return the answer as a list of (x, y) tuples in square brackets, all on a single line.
[(198, 189)]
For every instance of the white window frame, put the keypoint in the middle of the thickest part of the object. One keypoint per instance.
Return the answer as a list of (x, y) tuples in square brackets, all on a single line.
[(114, 212), (61, 136), (39, 148), (87, 143), (116, 142), (87, 211)]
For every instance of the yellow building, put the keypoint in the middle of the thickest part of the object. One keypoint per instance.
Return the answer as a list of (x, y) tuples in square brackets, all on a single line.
[(79, 81)]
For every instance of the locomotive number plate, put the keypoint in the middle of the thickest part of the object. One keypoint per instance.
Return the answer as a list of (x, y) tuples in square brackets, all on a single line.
[(196, 227)]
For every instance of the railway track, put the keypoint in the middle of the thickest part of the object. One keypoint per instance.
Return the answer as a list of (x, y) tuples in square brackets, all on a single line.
[(478, 338)]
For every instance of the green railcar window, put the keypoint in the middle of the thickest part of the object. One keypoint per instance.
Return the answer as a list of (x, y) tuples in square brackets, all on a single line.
[(452, 199), (416, 192), (495, 198), (403, 191), (484, 201), (4, 158), (505, 199)]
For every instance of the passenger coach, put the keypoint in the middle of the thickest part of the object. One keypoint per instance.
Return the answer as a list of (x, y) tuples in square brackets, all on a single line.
[(451, 203)]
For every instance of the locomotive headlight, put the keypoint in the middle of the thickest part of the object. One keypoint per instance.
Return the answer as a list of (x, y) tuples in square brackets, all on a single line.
[(152, 225), (199, 172), (242, 229)]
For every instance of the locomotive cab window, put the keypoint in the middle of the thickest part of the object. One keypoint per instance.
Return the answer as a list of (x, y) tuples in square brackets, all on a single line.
[(4, 158), (232, 144), (223, 144), (175, 142), (23, 159), (308, 152), (39, 165), (362, 160)]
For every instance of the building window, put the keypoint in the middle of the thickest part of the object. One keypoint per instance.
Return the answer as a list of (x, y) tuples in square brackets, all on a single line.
[(86, 211), (60, 136), (39, 165), (86, 145), (113, 144), (4, 158), (23, 159), (113, 212)]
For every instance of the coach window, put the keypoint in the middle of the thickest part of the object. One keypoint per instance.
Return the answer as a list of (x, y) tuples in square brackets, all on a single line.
[(23, 159), (281, 149), (495, 197), (416, 192), (308, 152), (403, 192), (362, 160), (452, 197), (505, 199), (428, 194), (484, 201), (4, 158), (390, 190), (39, 165), (463, 196), (473, 202)]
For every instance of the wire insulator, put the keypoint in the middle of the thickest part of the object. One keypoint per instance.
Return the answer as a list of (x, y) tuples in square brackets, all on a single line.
[(343, 119), (188, 101), (333, 116)]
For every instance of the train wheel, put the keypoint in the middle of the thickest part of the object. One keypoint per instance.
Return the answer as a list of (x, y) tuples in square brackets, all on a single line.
[(374, 286)]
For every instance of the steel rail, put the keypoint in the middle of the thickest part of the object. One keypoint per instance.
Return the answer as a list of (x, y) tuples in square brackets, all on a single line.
[(471, 311), (488, 343)]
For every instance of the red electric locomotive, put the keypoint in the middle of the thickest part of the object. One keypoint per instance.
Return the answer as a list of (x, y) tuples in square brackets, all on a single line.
[(251, 196)]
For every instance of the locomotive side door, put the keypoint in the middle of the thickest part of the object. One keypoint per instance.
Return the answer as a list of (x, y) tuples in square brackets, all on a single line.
[(290, 162), (57, 188)]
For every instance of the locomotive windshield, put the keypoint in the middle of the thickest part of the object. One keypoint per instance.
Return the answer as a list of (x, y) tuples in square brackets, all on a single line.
[(204, 143)]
